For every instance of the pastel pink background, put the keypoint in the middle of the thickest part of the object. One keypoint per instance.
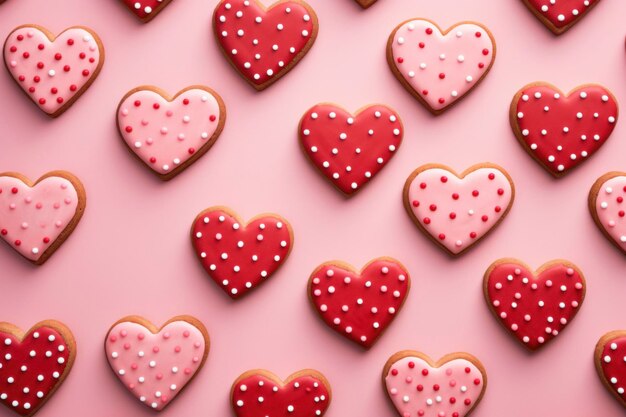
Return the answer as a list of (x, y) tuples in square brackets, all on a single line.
[(131, 253)]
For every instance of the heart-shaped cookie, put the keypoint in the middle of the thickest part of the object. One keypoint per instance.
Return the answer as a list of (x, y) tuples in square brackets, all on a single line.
[(349, 149), (440, 67), (170, 133), (562, 131), (456, 211), (534, 307), (264, 44), (239, 256), (146, 10), (608, 207), (33, 365), (36, 218), (359, 305), (366, 3), (260, 393), (417, 386), (610, 363), (53, 71), (155, 364), (560, 15)]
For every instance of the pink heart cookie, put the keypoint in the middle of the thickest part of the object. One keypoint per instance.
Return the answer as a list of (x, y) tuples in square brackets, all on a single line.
[(170, 133), (457, 211), (53, 71), (608, 207), (440, 67), (36, 218), (450, 387), (156, 364)]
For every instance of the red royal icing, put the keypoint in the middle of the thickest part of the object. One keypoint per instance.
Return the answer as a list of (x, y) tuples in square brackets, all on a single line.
[(611, 363), (359, 306), (239, 257), (535, 308), (146, 9), (562, 131), (30, 370), (350, 150), (561, 13), (257, 395), (264, 43)]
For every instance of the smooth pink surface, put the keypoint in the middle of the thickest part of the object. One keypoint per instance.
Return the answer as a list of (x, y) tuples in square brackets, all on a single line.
[(52, 71), (418, 389), (458, 212), (442, 68), (131, 253), (155, 367), (610, 208), (166, 134), (35, 216)]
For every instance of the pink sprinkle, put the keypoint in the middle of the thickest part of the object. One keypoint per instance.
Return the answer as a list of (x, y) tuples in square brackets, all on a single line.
[(140, 336), (196, 345), (56, 205), (159, 376), (155, 349), (169, 113), (177, 349), (187, 371), (131, 386), (126, 346), (112, 338), (123, 333), (166, 335), (195, 359), (186, 333), (133, 366)]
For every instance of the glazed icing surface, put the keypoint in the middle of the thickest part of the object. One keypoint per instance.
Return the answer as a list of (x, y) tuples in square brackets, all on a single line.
[(262, 43), (359, 306), (611, 209), (442, 68), (535, 309), (418, 389), (155, 367), (259, 396), (31, 369), (564, 131), (32, 218), (51, 73), (350, 150), (457, 212), (562, 12), (163, 134)]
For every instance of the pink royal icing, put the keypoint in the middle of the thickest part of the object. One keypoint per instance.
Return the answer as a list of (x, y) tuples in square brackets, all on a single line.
[(418, 389), (455, 211), (52, 73), (441, 68), (32, 218), (165, 134), (611, 209), (155, 367)]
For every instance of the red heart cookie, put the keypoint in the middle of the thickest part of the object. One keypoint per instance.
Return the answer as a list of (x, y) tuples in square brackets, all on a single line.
[(607, 204), (560, 15), (156, 364), (350, 150), (33, 365), (440, 67), (562, 131), (53, 71), (239, 256), (264, 44), (610, 359), (419, 387), (36, 218), (456, 211), (359, 305), (260, 393), (534, 307), (170, 133), (146, 10)]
